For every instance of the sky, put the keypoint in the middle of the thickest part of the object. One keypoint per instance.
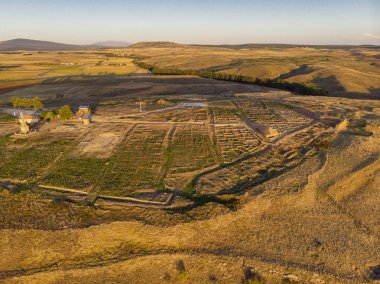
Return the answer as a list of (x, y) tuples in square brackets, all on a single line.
[(193, 21)]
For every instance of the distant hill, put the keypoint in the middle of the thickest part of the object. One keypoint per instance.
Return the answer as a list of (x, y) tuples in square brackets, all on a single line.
[(167, 44), (285, 45), (39, 45), (156, 44), (111, 43)]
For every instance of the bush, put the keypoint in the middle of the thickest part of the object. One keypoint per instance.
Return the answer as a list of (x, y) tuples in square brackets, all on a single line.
[(182, 275), (251, 277)]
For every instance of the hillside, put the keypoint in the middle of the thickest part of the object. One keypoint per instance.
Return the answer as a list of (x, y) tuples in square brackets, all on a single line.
[(344, 71), (309, 220), (285, 45), (39, 45), (156, 44)]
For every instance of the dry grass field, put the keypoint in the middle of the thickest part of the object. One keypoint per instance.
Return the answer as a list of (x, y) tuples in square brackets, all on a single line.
[(351, 72), (211, 182), (28, 68), (343, 72)]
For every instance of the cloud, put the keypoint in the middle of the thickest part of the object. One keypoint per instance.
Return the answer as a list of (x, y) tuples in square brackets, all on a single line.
[(372, 36)]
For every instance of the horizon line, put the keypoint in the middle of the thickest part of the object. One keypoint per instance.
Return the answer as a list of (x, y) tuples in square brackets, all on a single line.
[(197, 44)]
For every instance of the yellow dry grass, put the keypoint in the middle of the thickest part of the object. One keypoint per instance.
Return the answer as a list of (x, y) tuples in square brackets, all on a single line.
[(318, 221), (201, 268), (16, 68), (277, 229), (339, 71)]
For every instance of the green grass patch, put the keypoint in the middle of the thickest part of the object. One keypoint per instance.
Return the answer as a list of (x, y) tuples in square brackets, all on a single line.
[(191, 149), (76, 172), (135, 165), (26, 158), (6, 117)]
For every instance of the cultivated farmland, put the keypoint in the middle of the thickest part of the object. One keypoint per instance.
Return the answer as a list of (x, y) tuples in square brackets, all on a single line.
[(179, 176)]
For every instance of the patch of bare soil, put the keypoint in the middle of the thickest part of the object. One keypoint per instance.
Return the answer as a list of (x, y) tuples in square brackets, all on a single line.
[(102, 140), (99, 145)]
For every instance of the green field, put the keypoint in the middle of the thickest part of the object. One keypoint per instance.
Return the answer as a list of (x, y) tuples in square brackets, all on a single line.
[(191, 149), (27, 158), (137, 163)]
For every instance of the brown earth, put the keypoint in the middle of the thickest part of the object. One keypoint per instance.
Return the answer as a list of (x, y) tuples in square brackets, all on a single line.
[(316, 223)]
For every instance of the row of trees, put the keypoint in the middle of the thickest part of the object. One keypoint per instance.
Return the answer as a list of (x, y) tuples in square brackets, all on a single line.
[(63, 113), (27, 103), (300, 88)]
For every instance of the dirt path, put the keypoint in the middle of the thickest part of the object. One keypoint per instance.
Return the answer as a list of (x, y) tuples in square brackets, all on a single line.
[(111, 198), (147, 112)]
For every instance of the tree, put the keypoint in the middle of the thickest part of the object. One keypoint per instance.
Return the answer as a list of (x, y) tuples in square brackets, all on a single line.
[(50, 116), (43, 114), (37, 104), (24, 102), (15, 101), (65, 112)]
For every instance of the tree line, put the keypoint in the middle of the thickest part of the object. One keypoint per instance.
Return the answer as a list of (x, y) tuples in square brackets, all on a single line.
[(63, 113), (27, 103), (300, 88)]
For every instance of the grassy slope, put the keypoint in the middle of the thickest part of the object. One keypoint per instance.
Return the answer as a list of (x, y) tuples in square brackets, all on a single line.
[(342, 72), (301, 229)]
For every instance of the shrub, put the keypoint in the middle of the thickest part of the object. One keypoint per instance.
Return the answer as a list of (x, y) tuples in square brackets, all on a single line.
[(183, 275), (251, 277)]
